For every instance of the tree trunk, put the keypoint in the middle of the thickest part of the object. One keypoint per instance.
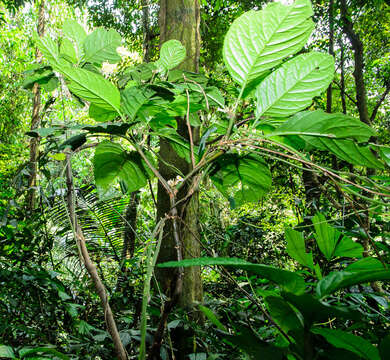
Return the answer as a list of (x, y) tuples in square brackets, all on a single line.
[(358, 52), (35, 118), (180, 20), (331, 52), (146, 45), (342, 78)]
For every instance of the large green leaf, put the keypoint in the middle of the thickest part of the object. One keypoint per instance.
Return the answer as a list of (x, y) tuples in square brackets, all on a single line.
[(342, 279), (44, 76), (7, 352), (172, 53), (384, 347), (332, 243), (244, 177), (319, 123), (292, 87), (101, 45), (133, 98), (92, 87), (344, 340), (326, 236), (259, 40), (48, 48), (337, 133), (27, 352), (67, 51), (99, 114), (348, 248), (314, 310), (111, 162), (289, 281), (283, 314), (367, 263), (74, 31), (296, 248)]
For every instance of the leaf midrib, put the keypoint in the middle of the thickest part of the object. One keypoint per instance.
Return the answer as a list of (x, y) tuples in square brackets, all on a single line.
[(267, 40), (90, 90)]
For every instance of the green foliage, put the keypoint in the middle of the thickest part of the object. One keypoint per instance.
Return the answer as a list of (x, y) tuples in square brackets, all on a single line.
[(111, 161), (286, 308), (248, 174), (297, 312), (172, 54), (254, 44), (344, 340), (304, 77), (296, 248), (100, 46), (342, 279), (287, 280), (329, 242)]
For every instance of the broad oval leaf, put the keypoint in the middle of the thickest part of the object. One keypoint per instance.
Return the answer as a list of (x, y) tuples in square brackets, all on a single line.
[(314, 310), (74, 31), (48, 48), (67, 51), (292, 87), (337, 133), (283, 313), (99, 114), (289, 281), (111, 161), (344, 340), (133, 98), (319, 123), (172, 53), (243, 178), (259, 40), (92, 87), (342, 279), (26, 352), (101, 45)]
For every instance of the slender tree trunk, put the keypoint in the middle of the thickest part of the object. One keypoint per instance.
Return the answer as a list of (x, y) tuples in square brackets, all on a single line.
[(91, 268), (331, 52), (358, 52), (35, 118), (361, 97), (146, 45), (342, 78), (180, 20)]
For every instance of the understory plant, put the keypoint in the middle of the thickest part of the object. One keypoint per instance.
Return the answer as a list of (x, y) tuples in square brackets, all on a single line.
[(277, 78), (311, 312)]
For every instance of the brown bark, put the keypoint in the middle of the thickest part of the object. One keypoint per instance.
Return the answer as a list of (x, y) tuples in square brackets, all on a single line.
[(89, 265), (342, 79), (146, 45), (331, 52), (35, 118), (358, 52), (180, 20)]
